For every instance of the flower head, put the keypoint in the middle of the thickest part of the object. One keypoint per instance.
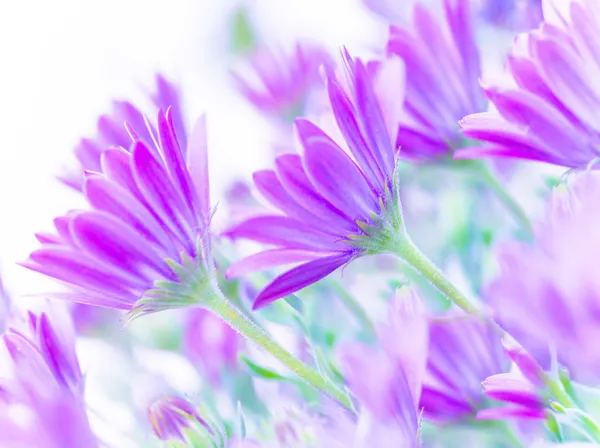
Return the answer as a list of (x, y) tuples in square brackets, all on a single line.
[(442, 79), (388, 386), (112, 132), (329, 203), (173, 418), (144, 239), (552, 113), (463, 351), (47, 383), (522, 391), (557, 276), (280, 84)]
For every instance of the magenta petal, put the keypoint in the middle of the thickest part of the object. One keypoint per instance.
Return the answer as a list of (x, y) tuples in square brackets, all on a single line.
[(439, 405), (269, 259), (63, 364), (110, 240), (76, 268), (160, 193), (197, 162), (116, 166), (299, 277), (110, 197), (374, 127), (347, 189), (270, 188), (284, 231), (346, 120), (294, 179), (507, 412), (175, 163)]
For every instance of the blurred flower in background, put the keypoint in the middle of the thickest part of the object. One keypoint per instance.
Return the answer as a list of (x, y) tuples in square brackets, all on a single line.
[(551, 114)]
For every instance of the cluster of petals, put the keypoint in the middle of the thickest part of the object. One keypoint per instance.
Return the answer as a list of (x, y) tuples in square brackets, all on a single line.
[(551, 115), (148, 204)]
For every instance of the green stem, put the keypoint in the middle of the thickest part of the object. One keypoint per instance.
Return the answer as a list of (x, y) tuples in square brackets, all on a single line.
[(417, 260), (506, 199), (557, 390), (223, 308), (353, 306)]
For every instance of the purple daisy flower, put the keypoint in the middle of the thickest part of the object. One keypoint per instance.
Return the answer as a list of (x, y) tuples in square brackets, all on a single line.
[(552, 114), (463, 351), (442, 79), (112, 132), (147, 225), (172, 417), (327, 200), (279, 83), (48, 383), (557, 276), (387, 381)]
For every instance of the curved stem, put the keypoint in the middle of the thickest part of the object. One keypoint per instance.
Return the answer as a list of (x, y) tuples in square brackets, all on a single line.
[(407, 251), (507, 200), (223, 308)]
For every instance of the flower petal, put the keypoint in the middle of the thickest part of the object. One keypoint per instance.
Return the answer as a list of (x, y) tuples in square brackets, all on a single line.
[(284, 231), (300, 277), (268, 259)]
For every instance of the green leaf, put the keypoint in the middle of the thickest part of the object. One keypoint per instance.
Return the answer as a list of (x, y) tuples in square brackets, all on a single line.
[(263, 372)]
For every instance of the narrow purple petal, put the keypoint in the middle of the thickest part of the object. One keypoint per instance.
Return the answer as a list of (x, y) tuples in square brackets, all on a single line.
[(348, 189), (197, 163), (112, 241), (507, 412), (76, 268), (272, 190), (300, 277), (269, 259), (110, 197), (175, 164), (346, 120), (160, 193), (293, 177), (284, 231)]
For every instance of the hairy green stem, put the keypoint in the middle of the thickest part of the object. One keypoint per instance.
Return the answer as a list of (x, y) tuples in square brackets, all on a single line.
[(406, 250), (223, 308)]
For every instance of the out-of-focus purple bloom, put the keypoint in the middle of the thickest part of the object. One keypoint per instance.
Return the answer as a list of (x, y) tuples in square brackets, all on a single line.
[(442, 79), (387, 381), (52, 420), (46, 349), (148, 226), (325, 199), (112, 132), (463, 351), (514, 14), (211, 343), (521, 391), (48, 383), (523, 399), (557, 276), (282, 84), (552, 114), (171, 417)]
